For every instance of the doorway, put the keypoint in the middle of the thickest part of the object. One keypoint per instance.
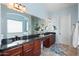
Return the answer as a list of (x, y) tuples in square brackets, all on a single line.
[(64, 34)]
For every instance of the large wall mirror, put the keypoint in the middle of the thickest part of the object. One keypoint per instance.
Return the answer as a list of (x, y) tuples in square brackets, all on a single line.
[(15, 23), (38, 25)]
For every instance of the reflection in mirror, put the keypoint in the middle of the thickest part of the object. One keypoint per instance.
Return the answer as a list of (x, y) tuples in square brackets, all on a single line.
[(25, 24), (17, 24), (14, 26), (37, 25)]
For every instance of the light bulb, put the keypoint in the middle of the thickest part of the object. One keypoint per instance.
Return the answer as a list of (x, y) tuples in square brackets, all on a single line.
[(10, 5), (16, 5), (24, 9), (20, 7)]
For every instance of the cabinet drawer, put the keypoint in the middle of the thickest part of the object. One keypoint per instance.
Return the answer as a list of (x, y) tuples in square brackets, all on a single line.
[(0, 54), (37, 44), (28, 52), (37, 48), (27, 46), (37, 53), (13, 51)]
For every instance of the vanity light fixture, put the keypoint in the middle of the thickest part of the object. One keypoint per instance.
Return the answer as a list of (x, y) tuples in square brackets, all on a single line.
[(17, 7), (10, 5)]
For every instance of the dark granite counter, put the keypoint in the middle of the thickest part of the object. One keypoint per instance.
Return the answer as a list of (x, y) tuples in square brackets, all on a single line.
[(22, 40)]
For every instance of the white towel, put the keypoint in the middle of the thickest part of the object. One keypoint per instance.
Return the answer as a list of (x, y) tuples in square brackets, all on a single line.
[(75, 36)]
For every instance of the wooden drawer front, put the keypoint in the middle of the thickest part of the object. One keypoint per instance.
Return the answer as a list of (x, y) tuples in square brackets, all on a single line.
[(28, 52), (13, 51), (27, 46), (37, 44), (0, 54), (48, 42), (52, 40), (52, 37), (28, 49), (37, 48), (37, 53)]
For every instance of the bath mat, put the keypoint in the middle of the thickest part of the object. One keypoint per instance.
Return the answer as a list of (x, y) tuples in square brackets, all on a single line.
[(58, 50)]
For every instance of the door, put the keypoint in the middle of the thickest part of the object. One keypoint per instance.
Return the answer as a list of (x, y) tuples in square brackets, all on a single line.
[(65, 29)]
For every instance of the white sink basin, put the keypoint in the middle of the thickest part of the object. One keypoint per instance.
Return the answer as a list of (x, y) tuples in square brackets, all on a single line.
[(11, 44), (27, 40), (20, 41), (16, 43), (41, 35)]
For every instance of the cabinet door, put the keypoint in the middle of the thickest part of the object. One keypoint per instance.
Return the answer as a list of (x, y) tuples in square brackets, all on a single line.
[(37, 48), (28, 49), (28, 52), (0, 54), (28, 46), (37, 52), (52, 39), (15, 51), (37, 44), (46, 42), (49, 41)]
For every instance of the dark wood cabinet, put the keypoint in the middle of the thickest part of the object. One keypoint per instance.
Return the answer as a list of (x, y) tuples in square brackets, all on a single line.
[(28, 49), (49, 40), (31, 48), (17, 51), (0, 54), (37, 47)]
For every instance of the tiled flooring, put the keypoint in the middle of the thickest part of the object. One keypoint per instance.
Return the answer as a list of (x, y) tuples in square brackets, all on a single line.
[(59, 50)]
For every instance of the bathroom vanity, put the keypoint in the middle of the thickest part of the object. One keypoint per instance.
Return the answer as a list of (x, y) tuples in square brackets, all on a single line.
[(30, 47), (49, 41), (24, 49), (26, 39)]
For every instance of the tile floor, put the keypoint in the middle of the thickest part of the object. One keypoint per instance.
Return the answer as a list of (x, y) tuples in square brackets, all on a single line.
[(59, 50)]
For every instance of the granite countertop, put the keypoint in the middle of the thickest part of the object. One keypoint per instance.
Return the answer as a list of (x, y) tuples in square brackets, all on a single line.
[(19, 42), (14, 44)]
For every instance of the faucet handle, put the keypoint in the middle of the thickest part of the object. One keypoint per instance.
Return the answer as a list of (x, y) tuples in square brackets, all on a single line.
[(16, 37)]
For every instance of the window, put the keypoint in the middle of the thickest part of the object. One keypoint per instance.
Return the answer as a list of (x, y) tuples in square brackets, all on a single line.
[(27, 26), (14, 26)]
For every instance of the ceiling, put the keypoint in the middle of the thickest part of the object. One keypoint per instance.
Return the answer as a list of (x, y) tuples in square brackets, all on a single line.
[(50, 7)]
